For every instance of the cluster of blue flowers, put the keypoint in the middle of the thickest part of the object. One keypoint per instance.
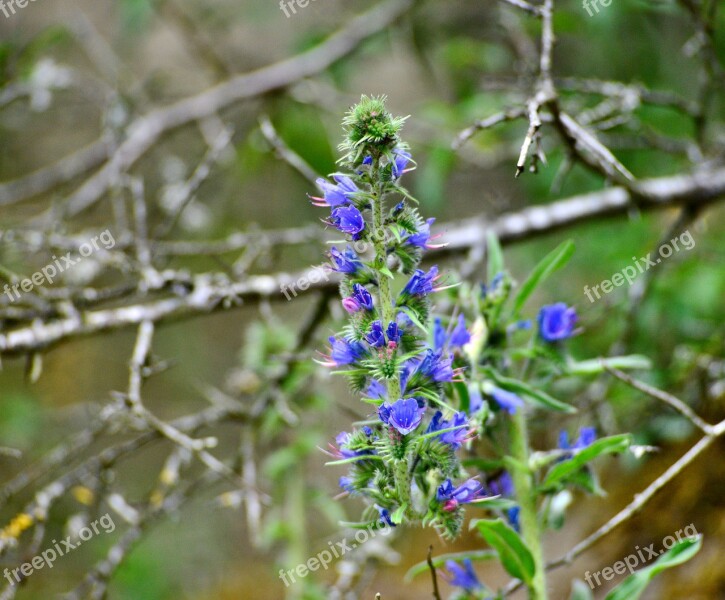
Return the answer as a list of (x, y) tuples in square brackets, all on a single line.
[(407, 363)]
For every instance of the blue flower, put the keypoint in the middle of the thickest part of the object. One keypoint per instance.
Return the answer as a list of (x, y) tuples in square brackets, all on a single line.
[(475, 401), (346, 484), (460, 336), (335, 195), (385, 516), (469, 491), (421, 283), (404, 415), (436, 367), (556, 322), (347, 262), (493, 286), (376, 337), (393, 332), (508, 401), (463, 577), (453, 438), (362, 296), (345, 351), (348, 219), (342, 439), (587, 435), (503, 486), (420, 238), (512, 514), (376, 390), (439, 335), (401, 160)]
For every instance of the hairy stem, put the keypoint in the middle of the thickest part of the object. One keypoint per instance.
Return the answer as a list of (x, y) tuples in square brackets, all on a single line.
[(385, 296), (387, 313), (523, 484)]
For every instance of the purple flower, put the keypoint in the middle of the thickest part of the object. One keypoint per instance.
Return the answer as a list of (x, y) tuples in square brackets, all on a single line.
[(502, 485), (420, 238), (508, 401), (342, 439), (439, 335), (345, 351), (475, 401), (376, 390), (393, 332), (404, 415), (453, 438), (436, 367), (401, 160), (335, 195), (460, 336), (376, 337), (347, 262), (347, 219), (421, 283), (351, 305), (469, 491), (346, 484), (463, 577), (556, 322), (362, 296), (587, 435)]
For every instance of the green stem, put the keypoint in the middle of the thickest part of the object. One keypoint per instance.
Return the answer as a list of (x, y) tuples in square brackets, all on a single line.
[(386, 311), (385, 296), (526, 497), (402, 483)]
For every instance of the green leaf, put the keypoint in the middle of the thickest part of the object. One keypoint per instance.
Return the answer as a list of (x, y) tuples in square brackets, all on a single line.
[(635, 584), (607, 445), (512, 551), (598, 365), (580, 591), (536, 396), (413, 317), (397, 516), (387, 272), (553, 261), (495, 257), (440, 560)]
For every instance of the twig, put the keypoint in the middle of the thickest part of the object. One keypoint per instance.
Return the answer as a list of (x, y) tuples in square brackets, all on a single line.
[(433, 574), (207, 293), (663, 396), (283, 151), (145, 131)]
